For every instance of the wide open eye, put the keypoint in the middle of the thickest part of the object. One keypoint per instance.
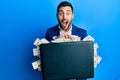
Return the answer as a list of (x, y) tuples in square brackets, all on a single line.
[(68, 13), (60, 13)]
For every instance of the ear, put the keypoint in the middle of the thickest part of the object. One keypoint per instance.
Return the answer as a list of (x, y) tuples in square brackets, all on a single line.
[(72, 15)]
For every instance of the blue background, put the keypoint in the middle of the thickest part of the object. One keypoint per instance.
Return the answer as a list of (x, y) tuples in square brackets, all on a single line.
[(22, 21)]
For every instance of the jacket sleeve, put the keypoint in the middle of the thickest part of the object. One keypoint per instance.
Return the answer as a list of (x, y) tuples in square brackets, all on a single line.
[(47, 36)]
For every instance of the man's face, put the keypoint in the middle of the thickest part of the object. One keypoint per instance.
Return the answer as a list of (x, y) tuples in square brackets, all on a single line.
[(65, 16)]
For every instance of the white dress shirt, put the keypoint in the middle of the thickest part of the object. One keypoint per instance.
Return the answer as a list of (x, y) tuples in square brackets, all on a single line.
[(63, 32)]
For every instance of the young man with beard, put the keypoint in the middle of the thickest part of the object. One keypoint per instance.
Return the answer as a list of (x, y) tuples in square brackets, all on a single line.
[(65, 28)]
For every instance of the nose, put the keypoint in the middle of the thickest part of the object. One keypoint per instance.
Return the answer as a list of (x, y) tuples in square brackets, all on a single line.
[(64, 16)]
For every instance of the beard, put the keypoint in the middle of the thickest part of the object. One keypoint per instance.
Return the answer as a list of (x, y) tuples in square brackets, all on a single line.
[(67, 25)]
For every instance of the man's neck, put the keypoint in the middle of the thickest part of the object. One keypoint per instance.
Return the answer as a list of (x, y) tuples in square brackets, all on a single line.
[(66, 31)]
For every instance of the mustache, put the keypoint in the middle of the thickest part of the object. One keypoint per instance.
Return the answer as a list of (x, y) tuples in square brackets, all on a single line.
[(64, 20)]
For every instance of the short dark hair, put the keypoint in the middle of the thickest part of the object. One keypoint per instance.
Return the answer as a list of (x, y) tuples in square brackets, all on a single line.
[(63, 4)]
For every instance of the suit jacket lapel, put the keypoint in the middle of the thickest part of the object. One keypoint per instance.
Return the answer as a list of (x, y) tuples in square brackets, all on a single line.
[(57, 32), (74, 31)]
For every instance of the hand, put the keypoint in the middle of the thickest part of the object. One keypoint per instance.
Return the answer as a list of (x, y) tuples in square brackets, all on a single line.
[(66, 36)]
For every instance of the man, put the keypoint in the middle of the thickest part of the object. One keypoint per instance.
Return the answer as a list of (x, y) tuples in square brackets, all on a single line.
[(65, 28)]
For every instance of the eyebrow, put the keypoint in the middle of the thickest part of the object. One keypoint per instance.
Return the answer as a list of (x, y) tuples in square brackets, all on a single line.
[(66, 11)]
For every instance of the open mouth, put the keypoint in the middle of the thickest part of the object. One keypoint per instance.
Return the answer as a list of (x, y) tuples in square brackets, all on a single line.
[(64, 23)]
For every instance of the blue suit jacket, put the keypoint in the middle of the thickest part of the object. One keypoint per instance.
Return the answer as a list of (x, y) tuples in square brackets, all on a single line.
[(55, 31)]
